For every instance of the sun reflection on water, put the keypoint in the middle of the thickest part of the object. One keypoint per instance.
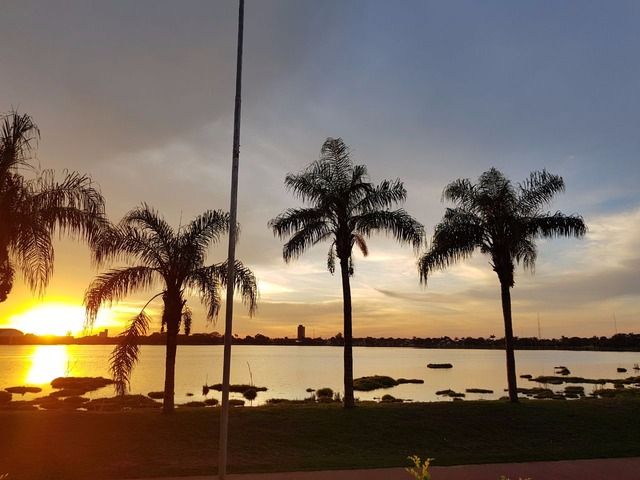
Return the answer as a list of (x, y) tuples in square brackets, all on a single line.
[(47, 362)]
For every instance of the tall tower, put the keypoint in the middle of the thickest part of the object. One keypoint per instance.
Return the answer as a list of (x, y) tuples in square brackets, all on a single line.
[(301, 332)]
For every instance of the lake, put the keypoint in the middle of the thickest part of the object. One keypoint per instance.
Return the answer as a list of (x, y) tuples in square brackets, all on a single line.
[(287, 371)]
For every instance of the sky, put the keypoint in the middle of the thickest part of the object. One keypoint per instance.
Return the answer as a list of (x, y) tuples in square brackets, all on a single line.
[(140, 96)]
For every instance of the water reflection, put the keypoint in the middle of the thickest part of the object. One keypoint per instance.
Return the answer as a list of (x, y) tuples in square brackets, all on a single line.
[(47, 362)]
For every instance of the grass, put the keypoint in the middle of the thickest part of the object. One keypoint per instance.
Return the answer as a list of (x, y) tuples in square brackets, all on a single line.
[(61, 445)]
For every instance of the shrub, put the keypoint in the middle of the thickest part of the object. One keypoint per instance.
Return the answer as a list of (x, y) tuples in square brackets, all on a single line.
[(421, 470), (478, 390), (210, 402), (324, 392), (194, 404), (250, 394), (156, 395), (375, 382), (5, 397), (390, 399), (410, 380)]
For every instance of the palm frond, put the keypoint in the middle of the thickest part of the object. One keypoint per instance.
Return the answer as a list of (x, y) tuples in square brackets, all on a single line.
[(18, 141), (558, 225), (383, 196), (360, 242), (403, 227), (331, 258), (538, 190), (210, 279), (307, 236), (187, 318), (127, 352), (294, 219), (113, 286), (206, 228), (461, 191), (454, 239)]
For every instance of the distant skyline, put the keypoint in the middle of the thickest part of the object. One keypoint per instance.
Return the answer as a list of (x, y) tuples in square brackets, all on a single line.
[(140, 96)]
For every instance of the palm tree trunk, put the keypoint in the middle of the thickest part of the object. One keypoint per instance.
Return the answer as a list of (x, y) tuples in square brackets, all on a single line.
[(349, 401), (170, 371), (172, 312), (512, 383)]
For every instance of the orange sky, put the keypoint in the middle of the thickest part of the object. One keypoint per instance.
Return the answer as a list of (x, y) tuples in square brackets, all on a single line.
[(140, 96)]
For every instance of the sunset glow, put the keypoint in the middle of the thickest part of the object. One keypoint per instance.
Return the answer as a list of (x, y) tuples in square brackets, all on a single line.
[(561, 97), (55, 319)]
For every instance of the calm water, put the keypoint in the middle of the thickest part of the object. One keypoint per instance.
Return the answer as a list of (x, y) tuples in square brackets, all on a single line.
[(287, 371)]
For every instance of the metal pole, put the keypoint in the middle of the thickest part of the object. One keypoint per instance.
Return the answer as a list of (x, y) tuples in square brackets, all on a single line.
[(231, 259)]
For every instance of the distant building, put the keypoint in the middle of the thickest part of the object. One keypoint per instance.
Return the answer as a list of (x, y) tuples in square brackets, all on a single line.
[(301, 332), (104, 333)]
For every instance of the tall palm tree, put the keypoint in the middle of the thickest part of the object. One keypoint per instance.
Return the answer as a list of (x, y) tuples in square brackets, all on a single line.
[(31, 209), (158, 255), (502, 221), (345, 209)]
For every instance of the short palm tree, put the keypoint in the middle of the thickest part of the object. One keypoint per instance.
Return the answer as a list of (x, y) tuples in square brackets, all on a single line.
[(160, 256), (32, 209), (502, 221), (345, 209)]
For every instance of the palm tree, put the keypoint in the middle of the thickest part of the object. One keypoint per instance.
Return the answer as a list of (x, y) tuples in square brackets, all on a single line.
[(345, 208), (158, 255), (32, 209), (502, 221)]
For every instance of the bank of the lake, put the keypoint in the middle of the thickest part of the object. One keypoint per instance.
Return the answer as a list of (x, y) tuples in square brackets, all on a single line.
[(288, 371), (114, 445)]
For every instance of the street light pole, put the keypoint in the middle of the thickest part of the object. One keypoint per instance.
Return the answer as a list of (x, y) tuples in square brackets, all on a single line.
[(231, 258)]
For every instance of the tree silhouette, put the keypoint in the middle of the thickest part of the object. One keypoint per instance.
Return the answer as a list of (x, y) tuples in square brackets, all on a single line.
[(158, 255), (345, 209), (32, 209), (502, 221)]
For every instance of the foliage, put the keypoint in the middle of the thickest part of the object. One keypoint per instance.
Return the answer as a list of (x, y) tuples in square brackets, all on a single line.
[(250, 394), (23, 390), (32, 209), (503, 221), (345, 209), (420, 469), (159, 255), (375, 382), (324, 393), (86, 384)]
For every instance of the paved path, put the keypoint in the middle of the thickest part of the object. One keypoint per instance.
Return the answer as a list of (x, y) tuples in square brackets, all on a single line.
[(598, 469)]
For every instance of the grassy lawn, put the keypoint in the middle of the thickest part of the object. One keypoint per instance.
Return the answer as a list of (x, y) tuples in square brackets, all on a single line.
[(130, 444)]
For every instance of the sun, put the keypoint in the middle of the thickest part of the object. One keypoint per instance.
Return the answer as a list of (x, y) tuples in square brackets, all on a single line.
[(55, 319)]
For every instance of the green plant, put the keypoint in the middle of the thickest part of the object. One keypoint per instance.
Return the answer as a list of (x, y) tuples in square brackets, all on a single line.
[(420, 471)]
